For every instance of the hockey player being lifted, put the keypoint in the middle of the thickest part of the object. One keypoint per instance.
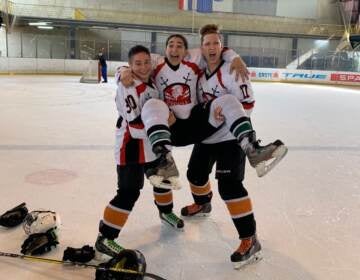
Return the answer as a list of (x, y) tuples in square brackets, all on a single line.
[(176, 76), (134, 155)]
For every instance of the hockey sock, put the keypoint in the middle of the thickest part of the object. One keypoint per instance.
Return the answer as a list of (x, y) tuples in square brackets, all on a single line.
[(241, 128), (246, 145), (159, 135)]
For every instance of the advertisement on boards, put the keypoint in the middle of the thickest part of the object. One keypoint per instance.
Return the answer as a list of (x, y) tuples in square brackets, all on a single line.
[(345, 77)]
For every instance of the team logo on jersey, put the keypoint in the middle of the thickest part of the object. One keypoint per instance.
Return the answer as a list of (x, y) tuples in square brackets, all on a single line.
[(207, 96), (149, 95), (177, 94)]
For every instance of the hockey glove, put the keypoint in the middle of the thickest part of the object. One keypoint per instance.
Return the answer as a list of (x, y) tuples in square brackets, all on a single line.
[(14, 216), (39, 243), (81, 255)]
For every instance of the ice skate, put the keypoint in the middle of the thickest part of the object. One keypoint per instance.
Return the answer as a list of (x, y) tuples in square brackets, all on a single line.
[(196, 210), (106, 248), (265, 158), (248, 252), (165, 175), (172, 220)]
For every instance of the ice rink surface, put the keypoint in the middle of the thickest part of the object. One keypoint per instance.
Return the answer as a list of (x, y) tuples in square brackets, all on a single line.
[(56, 152)]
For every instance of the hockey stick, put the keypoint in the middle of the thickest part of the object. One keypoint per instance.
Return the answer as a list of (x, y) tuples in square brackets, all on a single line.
[(86, 265)]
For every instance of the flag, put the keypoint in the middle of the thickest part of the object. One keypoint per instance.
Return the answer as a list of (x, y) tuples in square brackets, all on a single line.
[(185, 5)]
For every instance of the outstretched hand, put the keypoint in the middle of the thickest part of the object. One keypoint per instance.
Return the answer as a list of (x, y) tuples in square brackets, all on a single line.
[(171, 119), (126, 77), (218, 114), (239, 66)]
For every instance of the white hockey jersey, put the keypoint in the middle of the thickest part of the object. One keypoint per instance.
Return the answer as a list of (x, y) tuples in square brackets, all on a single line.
[(178, 86), (178, 83), (218, 83), (132, 144)]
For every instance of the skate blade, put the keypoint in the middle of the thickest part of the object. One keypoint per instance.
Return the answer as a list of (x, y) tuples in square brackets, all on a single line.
[(171, 226), (198, 215), (100, 257), (264, 167), (155, 180), (174, 183), (171, 183), (252, 260)]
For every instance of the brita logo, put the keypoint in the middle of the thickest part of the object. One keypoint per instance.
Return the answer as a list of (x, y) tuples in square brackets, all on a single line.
[(305, 76)]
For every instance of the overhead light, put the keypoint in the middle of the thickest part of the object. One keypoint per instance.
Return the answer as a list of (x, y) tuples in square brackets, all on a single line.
[(45, 27), (100, 27), (39, 23), (321, 43)]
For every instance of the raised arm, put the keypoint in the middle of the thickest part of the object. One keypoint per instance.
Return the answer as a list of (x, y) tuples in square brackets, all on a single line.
[(229, 55)]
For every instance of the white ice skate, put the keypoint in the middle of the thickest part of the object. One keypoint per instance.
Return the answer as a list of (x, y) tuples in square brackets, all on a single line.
[(171, 183), (265, 158), (165, 175)]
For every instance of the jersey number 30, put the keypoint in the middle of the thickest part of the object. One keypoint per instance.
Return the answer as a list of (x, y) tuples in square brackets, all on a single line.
[(130, 103)]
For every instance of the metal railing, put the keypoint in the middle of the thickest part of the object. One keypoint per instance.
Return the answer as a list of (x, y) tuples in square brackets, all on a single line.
[(57, 47)]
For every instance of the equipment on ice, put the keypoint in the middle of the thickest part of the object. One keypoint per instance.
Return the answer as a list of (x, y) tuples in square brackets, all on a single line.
[(14, 216), (81, 255), (39, 243), (40, 221), (132, 260), (121, 271)]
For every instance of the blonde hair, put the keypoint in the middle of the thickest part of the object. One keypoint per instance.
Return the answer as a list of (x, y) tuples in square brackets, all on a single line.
[(209, 29)]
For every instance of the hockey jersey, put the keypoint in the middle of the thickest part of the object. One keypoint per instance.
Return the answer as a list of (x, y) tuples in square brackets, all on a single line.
[(218, 83), (131, 142), (178, 83), (178, 86)]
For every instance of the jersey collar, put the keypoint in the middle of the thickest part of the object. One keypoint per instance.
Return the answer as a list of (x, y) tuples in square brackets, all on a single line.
[(208, 75)]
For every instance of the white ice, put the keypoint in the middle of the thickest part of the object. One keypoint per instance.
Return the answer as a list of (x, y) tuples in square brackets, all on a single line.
[(56, 139)]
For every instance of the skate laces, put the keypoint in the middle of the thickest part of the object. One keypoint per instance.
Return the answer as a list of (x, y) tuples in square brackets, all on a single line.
[(172, 218), (113, 245), (257, 143), (194, 208), (245, 245)]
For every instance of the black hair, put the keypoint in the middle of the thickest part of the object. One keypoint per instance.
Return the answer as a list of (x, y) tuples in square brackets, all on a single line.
[(177, 36), (137, 49)]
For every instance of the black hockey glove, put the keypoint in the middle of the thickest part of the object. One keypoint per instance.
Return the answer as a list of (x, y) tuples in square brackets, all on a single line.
[(81, 255), (39, 243), (14, 216)]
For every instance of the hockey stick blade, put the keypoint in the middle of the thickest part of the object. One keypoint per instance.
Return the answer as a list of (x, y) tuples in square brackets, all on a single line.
[(85, 265)]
